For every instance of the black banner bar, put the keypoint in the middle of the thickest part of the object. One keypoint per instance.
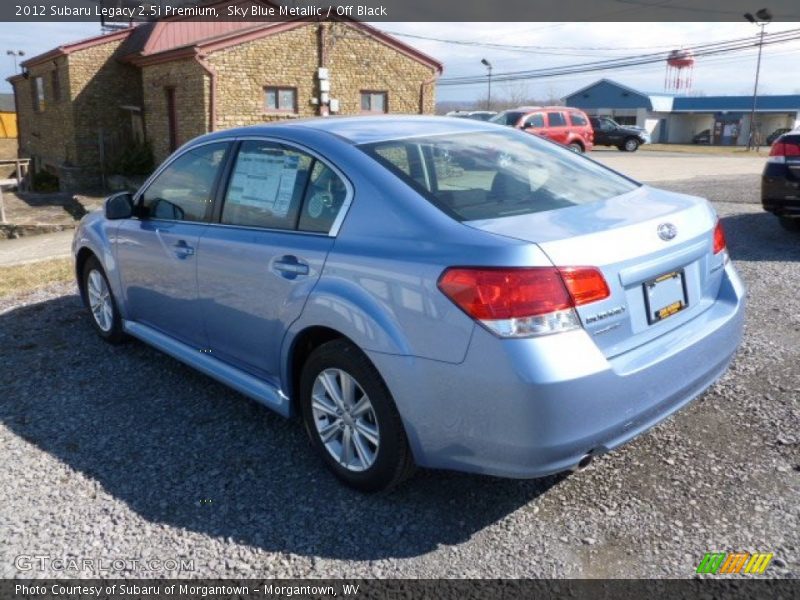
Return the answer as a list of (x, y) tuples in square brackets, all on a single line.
[(737, 588), (127, 11)]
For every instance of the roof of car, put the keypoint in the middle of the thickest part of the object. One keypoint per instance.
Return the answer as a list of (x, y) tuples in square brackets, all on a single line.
[(368, 129)]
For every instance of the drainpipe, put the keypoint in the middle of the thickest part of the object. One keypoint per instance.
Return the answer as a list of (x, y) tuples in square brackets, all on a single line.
[(212, 94), (323, 62), (427, 82)]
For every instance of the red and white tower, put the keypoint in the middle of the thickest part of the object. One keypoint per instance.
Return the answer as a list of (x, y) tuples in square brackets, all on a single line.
[(680, 65)]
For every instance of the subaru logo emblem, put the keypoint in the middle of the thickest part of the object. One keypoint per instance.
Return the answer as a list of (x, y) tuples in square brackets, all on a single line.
[(667, 231)]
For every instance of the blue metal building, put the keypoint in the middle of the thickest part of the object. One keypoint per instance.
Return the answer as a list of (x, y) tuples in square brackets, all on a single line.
[(677, 119)]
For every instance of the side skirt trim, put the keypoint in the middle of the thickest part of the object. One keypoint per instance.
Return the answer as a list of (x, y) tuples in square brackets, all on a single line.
[(252, 387)]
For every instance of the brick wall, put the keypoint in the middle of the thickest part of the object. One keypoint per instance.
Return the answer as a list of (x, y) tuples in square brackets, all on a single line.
[(46, 135), (100, 86), (358, 62), (286, 59), (355, 60), (191, 85), (65, 136), (95, 85)]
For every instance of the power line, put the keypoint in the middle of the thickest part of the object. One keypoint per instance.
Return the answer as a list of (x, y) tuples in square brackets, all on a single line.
[(617, 63)]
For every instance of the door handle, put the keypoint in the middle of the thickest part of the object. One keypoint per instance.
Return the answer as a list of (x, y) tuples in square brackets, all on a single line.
[(289, 266), (183, 250)]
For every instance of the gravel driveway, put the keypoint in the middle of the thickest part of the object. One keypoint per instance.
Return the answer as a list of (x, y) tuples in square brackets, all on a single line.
[(122, 453)]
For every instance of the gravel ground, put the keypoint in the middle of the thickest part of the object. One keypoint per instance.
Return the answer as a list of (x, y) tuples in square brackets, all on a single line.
[(122, 453)]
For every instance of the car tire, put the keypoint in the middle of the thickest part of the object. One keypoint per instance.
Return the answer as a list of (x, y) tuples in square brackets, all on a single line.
[(630, 145), (575, 147), (789, 223), (99, 299), (360, 434)]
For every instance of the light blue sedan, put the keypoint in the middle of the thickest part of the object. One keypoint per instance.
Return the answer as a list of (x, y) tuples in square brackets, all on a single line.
[(421, 291)]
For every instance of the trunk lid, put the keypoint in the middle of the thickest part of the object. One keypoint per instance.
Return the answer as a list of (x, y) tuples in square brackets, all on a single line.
[(645, 273)]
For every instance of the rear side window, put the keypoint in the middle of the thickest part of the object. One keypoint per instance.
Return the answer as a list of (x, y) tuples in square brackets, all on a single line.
[(535, 120), (267, 186), (486, 175), (280, 187), (182, 191), (556, 119), (324, 198), (578, 120)]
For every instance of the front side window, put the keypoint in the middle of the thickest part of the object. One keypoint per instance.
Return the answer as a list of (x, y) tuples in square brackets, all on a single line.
[(281, 99), (578, 120), (280, 187), (556, 119), (507, 117), (37, 93), (487, 175), (374, 102), (183, 191)]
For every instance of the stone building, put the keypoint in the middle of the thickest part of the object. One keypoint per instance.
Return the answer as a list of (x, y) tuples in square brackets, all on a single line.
[(160, 84)]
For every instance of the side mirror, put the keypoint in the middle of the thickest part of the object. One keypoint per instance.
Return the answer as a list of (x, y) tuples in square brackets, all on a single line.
[(119, 206)]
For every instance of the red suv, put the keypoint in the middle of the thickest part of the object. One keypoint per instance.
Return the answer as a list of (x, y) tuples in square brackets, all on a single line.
[(568, 126)]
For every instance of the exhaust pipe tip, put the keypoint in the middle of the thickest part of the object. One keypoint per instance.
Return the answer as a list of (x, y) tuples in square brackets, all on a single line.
[(584, 462)]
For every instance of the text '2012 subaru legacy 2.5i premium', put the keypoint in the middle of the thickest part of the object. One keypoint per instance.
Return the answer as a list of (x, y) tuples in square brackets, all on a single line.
[(421, 291)]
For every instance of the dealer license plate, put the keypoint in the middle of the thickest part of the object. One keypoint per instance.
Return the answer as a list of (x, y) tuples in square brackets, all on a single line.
[(665, 296)]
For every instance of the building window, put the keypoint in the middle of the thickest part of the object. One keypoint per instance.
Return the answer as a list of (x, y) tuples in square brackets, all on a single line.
[(37, 93), (374, 102), (55, 82), (280, 99)]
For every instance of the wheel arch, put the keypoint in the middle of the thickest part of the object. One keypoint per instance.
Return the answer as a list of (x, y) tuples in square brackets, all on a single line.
[(577, 140), (81, 257)]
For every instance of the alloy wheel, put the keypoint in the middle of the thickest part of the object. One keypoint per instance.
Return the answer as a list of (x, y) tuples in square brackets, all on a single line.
[(345, 420), (100, 300)]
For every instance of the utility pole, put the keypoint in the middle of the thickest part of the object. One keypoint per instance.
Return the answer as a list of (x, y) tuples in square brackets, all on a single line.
[(488, 65), (761, 19), (15, 54)]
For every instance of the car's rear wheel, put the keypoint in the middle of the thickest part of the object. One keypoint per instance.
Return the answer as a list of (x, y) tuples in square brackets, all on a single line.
[(352, 420), (630, 145), (575, 147), (789, 223), (99, 299)]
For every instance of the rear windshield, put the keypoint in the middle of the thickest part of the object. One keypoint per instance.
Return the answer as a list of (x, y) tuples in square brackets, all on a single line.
[(508, 117), (486, 175)]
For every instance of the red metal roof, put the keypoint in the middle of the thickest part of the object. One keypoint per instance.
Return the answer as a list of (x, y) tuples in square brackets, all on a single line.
[(177, 37)]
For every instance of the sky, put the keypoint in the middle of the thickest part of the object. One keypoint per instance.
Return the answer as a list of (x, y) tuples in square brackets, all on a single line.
[(571, 43)]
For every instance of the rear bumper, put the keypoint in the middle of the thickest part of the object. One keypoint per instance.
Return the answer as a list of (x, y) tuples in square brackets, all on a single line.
[(532, 407), (780, 191)]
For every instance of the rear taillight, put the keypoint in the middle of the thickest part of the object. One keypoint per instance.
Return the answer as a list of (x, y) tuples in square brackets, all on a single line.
[(521, 302), (719, 238), (780, 150)]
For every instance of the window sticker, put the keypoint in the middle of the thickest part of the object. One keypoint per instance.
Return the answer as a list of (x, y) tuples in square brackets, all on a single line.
[(265, 181)]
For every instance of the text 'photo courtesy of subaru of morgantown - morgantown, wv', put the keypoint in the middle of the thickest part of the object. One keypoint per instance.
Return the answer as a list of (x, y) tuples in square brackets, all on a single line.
[(421, 291)]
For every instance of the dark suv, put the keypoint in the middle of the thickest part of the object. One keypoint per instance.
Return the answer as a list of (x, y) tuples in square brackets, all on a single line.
[(607, 132), (780, 181)]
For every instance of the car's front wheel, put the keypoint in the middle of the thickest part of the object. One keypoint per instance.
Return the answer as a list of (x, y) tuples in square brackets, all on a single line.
[(630, 145), (100, 302), (351, 418)]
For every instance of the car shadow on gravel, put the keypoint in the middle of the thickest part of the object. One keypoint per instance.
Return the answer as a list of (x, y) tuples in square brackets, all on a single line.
[(179, 449), (759, 237)]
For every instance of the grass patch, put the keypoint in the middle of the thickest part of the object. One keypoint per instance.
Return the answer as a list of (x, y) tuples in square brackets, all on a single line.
[(32, 276), (702, 149)]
